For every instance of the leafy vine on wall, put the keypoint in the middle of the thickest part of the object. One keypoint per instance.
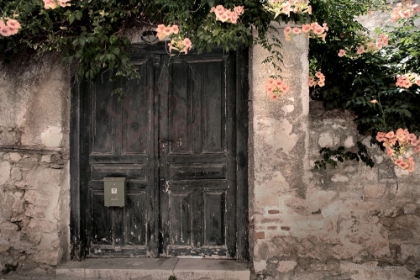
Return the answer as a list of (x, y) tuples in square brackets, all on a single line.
[(375, 76)]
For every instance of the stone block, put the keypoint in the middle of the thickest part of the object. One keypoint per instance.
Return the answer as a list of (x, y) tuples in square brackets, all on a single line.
[(339, 178), (8, 136), (407, 222), (4, 172), (43, 179), (327, 139), (15, 157), (410, 251), (286, 266), (4, 246), (374, 190), (18, 204), (7, 264), (393, 212), (52, 137), (259, 266), (46, 158), (349, 142), (16, 174), (410, 208), (8, 229)]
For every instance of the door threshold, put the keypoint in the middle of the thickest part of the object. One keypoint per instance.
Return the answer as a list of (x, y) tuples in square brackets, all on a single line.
[(155, 269)]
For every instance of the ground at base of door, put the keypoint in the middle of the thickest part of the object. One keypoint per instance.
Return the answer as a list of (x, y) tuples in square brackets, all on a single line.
[(143, 269)]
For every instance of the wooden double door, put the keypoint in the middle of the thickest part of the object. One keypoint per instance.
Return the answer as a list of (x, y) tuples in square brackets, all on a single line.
[(179, 137)]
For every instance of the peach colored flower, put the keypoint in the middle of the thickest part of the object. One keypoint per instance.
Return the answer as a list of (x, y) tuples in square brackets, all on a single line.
[(411, 160), (306, 28), (239, 10), (360, 49), (220, 8), (175, 29), (160, 28), (318, 30), (14, 24), (311, 83), (415, 143), (287, 30), (284, 88), (286, 9), (224, 17), (411, 137), (390, 135), (399, 162), (5, 30), (63, 3), (403, 165), (273, 97), (374, 101), (187, 43), (341, 53), (234, 18), (297, 30), (278, 83), (411, 168), (50, 4)]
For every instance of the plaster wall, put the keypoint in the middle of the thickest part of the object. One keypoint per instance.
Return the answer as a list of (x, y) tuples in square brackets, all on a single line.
[(352, 222), (349, 223), (34, 173)]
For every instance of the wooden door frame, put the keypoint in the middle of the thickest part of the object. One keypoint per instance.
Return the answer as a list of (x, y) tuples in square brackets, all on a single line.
[(78, 161)]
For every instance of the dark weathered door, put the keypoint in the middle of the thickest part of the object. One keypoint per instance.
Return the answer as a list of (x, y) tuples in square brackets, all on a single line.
[(174, 137), (197, 158)]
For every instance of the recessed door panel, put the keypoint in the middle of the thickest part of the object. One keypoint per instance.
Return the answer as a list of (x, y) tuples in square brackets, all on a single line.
[(173, 137)]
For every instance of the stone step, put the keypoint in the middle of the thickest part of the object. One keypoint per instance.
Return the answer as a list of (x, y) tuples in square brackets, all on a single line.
[(155, 269)]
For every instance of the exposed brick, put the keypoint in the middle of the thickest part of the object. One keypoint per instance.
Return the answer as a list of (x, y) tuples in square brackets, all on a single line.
[(259, 235), (273, 228), (285, 228), (273, 212)]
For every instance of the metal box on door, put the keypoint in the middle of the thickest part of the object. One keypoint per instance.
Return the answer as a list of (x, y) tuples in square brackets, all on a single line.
[(114, 191)]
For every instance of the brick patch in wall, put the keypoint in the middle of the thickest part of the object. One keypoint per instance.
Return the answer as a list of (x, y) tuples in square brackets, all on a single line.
[(259, 235), (272, 212), (285, 228)]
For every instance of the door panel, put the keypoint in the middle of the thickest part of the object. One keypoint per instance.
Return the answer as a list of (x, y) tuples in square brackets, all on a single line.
[(121, 144), (197, 195), (173, 138)]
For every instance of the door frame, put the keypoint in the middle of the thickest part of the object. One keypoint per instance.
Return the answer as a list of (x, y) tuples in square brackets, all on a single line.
[(78, 237)]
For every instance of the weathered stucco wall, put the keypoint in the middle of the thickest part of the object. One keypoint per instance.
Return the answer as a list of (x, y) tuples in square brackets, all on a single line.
[(352, 222), (279, 158), (34, 173), (349, 223)]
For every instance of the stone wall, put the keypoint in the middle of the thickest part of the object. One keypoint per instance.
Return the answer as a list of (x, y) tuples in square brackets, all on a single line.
[(34, 173), (352, 222)]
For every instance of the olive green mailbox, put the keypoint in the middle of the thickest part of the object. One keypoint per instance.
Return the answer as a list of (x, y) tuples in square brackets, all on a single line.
[(114, 191)]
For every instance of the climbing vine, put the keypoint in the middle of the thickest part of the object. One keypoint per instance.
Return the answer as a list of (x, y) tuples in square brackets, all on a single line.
[(374, 75)]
